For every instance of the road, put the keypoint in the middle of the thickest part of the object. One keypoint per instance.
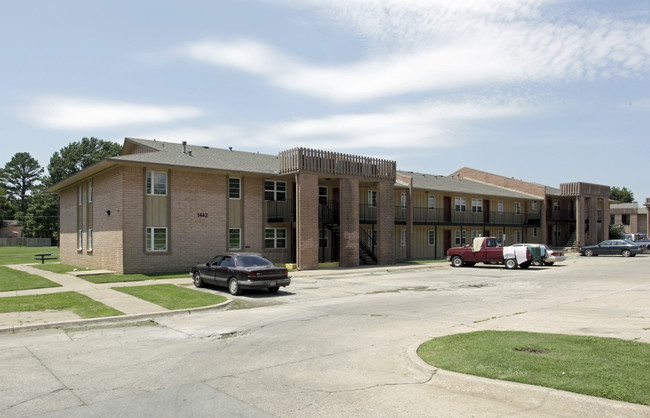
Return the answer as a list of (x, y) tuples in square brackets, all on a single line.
[(339, 346)]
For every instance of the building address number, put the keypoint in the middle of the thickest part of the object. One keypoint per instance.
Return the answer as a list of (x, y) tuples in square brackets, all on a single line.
[(203, 214)]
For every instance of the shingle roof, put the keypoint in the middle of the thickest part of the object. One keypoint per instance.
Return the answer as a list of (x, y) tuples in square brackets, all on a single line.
[(169, 153), (465, 186)]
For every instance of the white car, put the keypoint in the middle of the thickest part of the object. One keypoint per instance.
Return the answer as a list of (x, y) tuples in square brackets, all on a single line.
[(550, 256)]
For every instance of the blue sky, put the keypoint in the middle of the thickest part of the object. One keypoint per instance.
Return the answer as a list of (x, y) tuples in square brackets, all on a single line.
[(546, 91)]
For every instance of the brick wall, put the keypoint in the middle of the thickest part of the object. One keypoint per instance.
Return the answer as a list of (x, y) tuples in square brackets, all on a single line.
[(385, 223), (507, 182), (349, 218), (307, 214), (253, 207)]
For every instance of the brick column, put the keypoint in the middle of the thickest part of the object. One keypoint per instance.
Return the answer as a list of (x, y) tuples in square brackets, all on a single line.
[(409, 222), (349, 222), (580, 221), (307, 221), (647, 217), (385, 223), (543, 224), (593, 221), (606, 216)]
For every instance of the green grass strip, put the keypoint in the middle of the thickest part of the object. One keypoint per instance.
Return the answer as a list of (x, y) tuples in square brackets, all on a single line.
[(56, 268), (171, 296), (116, 278), (11, 280), (605, 367), (80, 304), (24, 255)]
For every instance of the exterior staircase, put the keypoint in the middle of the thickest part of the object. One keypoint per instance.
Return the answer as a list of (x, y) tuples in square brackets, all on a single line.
[(571, 243)]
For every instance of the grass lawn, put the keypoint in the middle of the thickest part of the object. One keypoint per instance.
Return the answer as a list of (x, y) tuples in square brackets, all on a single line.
[(171, 296), (56, 268), (24, 255), (604, 367), (82, 305), (11, 279), (116, 278)]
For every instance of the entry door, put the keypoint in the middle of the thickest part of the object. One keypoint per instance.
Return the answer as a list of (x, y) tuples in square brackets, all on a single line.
[(446, 241)]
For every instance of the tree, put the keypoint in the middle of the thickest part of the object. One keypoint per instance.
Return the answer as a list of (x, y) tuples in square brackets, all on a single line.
[(79, 155), (5, 207), (40, 220), (20, 176), (622, 195)]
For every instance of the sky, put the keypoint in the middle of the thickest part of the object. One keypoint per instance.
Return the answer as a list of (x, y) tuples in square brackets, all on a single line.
[(546, 91)]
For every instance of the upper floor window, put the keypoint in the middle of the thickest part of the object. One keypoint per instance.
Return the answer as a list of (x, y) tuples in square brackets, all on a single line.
[(234, 188), (403, 200), (500, 206), (432, 202), (557, 205), (461, 204), (90, 191), (275, 190), (80, 200), (322, 195), (477, 205), (517, 208), (156, 183), (533, 205), (372, 198)]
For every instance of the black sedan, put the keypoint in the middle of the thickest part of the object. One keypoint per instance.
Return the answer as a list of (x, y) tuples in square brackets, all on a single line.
[(239, 271), (613, 247)]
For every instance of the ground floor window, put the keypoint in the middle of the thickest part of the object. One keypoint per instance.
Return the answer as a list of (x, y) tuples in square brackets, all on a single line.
[(275, 238), (403, 237), (533, 232), (90, 239), (517, 237), (460, 237), (476, 233), (234, 239), (432, 238), (80, 241), (323, 238), (156, 239)]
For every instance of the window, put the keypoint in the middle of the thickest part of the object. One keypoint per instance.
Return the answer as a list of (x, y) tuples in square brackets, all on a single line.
[(625, 219), (90, 191), (402, 237), (274, 190), (476, 233), (460, 237), (517, 237), (533, 232), (557, 205), (432, 238), (557, 231), (372, 238), (432, 202), (275, 238), (156, 183), (156, 239), (533, 205), (501, 237), (500, 206), (80, 200), (322, 195), (234, 238), (90, 239), (403, 200), (461, 204), (517, 208), (477, 205), (234, 188), (372, 198), (322, 238), (80, 242)]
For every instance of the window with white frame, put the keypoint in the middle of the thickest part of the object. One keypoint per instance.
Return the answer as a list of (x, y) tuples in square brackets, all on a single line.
[(476, 233), (533, 205), (323, 196), (501, 237), (517, 237), (372, 198), (234, 188), (432, 202), (432, 238), (477, 205), (403, 200), (500, 206), (90, 191), (557, 231), (323, 241), (275, 190), (402, 237), (557, 205), (156, 239), (234, 238), (517, 208), (460, 237), (461, 204), (533, 232), (157, 183), (80, 242), (80, 200), (275, 238), (90, 239)]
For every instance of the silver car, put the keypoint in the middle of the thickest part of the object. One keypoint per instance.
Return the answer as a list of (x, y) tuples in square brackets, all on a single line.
[(549, 256)]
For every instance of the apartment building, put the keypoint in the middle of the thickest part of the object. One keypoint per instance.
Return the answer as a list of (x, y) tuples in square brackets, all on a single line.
[(633, 217), (163, 206)]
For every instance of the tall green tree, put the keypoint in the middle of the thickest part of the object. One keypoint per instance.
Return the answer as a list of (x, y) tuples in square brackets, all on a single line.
[(78, 155), (20, 176), (40, 220), (5, 207), (621, 195)]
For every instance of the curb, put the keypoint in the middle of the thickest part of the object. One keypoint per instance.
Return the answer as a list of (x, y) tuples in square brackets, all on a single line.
[(109, 320)]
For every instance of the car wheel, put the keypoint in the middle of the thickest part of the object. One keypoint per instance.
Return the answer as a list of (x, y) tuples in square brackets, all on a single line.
[(197, 279), (626, 253), (274, 289), (549, 263), (233, 287), (510, 263), (457, 261), (589, 253)]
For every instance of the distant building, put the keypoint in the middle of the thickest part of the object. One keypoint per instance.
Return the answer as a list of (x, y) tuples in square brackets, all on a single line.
[(11, 229), (164, 206), (633, 217)]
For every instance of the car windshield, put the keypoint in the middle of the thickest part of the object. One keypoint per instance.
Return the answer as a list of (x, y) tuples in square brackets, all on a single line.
[(253, 261)]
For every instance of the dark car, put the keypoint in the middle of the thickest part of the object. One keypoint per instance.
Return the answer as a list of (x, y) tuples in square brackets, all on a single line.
[(613, 247), (239, 271)]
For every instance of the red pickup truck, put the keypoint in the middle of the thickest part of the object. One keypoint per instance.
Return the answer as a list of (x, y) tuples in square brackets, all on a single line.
[(488, 250)]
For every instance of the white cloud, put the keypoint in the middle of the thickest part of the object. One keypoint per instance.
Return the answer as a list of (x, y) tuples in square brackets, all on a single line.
[(437, 45), (62, 112)]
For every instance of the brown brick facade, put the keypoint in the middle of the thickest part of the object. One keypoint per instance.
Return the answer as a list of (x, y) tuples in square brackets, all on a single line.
[(307, 221), (349, 215)]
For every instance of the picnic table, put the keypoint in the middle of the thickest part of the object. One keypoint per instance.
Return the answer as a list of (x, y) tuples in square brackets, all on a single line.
[(43, 257)]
